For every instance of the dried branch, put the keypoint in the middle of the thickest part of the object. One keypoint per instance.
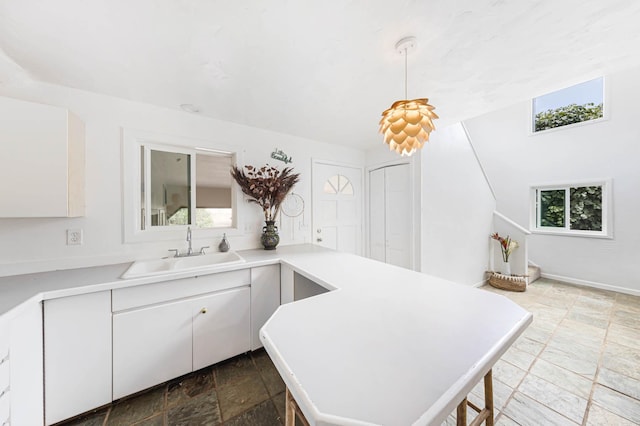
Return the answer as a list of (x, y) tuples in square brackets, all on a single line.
[(266, 186)]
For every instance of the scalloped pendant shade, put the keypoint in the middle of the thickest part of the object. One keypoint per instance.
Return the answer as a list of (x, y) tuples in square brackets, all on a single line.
[(407, 124)]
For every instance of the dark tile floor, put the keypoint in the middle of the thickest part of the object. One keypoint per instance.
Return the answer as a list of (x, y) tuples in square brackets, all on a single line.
[(245, 390)]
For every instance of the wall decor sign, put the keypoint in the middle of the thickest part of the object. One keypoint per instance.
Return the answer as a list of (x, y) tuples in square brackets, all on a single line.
[(277, 154)]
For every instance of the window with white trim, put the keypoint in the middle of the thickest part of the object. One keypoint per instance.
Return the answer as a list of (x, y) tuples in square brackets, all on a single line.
[(572, 209), (569, 106)]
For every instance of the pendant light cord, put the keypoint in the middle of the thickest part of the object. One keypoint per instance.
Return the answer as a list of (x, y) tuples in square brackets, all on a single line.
[(405, 73)]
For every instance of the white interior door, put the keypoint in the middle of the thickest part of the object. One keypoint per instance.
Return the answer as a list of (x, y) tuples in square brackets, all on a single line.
[(377, 216), (398, 215), (390, 216), (337, 207)]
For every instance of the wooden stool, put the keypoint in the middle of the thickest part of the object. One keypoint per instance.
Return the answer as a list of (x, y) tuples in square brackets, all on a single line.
[(291, 410), (485, 414)]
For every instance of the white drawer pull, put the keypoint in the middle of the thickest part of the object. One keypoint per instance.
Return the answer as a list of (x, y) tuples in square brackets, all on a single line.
[(4, 392), (5, 359)]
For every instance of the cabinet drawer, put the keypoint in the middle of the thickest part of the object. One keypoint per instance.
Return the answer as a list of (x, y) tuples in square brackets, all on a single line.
[(4, 341), (5, 406), (4, 375), (135, 297)]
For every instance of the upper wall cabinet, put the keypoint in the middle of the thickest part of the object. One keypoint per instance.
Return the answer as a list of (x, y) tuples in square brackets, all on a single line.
[(42, 174)]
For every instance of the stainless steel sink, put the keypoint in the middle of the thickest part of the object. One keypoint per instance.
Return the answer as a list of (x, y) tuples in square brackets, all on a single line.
[(150, 267)]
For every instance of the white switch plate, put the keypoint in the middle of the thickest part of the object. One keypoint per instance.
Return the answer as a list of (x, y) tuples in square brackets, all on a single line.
[(74, 237)]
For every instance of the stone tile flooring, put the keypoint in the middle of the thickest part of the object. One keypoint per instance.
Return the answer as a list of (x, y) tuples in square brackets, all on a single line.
[(578, 363), (243, 391)]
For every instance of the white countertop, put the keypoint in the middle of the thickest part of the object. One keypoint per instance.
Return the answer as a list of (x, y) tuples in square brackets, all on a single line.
[(18, 289), (390, 346)]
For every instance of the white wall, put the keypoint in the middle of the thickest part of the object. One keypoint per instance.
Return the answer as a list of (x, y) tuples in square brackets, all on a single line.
[(457, 209), (31, 245), (515, 160)]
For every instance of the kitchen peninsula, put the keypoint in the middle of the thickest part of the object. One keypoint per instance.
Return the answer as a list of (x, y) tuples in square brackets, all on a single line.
[(417, 342)]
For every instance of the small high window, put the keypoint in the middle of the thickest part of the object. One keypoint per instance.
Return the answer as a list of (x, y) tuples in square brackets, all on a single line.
[(580, 209), (575, 104)]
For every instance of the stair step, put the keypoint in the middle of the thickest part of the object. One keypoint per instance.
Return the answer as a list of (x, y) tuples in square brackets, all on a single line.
[(534, 273)]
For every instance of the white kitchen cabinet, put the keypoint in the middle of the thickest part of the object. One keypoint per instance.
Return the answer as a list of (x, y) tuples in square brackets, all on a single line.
[(167, 291), (77, 342), (265, 299), (286, 284), (5, 394), (150, 346), (390, 217), (156, 339), (5, 407), (221, 326), (26, 360), (43, 175)]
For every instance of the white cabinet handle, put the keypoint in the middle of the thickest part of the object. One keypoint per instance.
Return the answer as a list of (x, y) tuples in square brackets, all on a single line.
[(5, 359), (4, 392)]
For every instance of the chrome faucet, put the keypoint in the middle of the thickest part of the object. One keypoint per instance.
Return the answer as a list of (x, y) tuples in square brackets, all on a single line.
[(189, 250)]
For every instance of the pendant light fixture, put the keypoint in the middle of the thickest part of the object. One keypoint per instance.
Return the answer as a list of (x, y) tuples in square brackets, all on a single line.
[(407, 124)]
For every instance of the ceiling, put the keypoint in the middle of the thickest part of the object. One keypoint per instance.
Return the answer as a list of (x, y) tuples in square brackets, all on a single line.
[(324, 70)]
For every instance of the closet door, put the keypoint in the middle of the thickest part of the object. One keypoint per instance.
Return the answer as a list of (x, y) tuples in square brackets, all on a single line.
[(377, 215), (390, 215), (398, 215)]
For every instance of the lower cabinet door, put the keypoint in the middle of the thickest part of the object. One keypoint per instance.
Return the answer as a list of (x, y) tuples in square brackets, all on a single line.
[(150, 346), (77, 354), (221, 326), (26, 367), (5, 406), (265, 299)]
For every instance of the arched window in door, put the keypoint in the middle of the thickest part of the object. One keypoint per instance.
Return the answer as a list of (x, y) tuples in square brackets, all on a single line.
[(338, 184)]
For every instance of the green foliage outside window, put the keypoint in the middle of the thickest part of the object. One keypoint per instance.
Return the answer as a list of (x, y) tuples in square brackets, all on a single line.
[(566, 115), (552, 208), (585, 208)]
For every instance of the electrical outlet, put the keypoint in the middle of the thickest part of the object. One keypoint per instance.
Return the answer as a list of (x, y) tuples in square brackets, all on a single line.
[(74, 237)]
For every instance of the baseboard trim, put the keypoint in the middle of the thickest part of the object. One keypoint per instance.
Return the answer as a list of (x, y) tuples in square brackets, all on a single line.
[(592, 284)]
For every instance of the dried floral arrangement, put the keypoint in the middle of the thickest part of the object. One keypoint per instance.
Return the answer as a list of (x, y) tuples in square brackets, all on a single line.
[(506, 244), (266, 186)]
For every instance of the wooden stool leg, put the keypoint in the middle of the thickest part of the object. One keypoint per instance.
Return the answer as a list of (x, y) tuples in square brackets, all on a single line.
[(290, 410), (485, 414), (461, 413), (488, 397), (293, 411)]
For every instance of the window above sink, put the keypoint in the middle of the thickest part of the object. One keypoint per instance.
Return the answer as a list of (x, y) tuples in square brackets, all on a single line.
[(170, 183)]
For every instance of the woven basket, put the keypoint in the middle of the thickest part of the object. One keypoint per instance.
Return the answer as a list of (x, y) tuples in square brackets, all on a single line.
[(508, 282)]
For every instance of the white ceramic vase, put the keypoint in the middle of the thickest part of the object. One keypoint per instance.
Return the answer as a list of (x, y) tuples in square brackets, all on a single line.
[(505, 269)]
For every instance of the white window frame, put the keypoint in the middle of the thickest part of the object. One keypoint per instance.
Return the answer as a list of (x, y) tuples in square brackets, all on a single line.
[(132, 141), (605, 110), (607, 209)]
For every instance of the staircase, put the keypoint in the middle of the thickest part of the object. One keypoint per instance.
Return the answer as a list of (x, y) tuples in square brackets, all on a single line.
[(533, 273)]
